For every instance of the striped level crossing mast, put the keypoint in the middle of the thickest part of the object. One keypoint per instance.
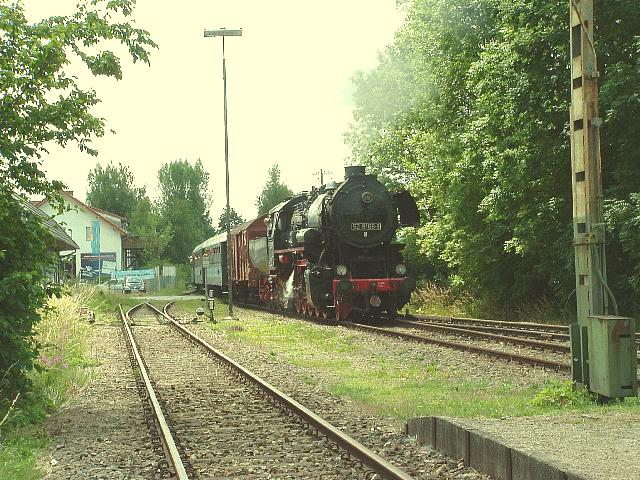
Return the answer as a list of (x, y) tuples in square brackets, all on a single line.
[(602, 344)]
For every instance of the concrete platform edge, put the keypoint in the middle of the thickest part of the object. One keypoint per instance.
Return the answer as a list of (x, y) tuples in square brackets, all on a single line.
[(482, 452)]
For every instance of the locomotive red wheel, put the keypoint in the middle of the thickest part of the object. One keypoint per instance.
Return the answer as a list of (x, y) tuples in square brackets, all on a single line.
[(325, 313), (338, 316)]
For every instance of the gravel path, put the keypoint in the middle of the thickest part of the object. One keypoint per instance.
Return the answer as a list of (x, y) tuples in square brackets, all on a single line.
[(379, 434), (102, 432)]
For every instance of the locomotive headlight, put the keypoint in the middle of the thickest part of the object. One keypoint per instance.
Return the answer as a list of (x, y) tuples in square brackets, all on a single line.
[(401, 269), (341, 270)]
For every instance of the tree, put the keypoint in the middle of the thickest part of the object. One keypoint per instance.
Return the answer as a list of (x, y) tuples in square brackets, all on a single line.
[(42, 104), (23, 258), (234, 220), (184, 205), (273, 192), (146, 223), (111, 189), (469, 109)]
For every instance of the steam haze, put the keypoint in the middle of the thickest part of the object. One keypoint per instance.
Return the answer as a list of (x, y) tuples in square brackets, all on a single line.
[(289, 92)]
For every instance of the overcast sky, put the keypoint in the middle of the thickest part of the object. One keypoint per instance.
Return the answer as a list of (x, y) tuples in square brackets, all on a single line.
[(289, 92)]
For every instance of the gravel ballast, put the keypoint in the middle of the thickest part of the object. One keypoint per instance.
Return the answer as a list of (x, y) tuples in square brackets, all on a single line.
[(228, 428), (595, 446), (102, 433), (379, 434)]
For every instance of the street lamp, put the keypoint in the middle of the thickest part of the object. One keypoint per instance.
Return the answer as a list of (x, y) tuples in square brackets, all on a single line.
[(223, 32)]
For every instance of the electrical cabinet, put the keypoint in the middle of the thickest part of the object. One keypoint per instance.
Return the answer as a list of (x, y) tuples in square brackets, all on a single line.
[(613, 363)]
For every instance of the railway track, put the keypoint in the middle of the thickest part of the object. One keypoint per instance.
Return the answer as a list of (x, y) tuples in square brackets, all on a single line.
[(465, 347), (216, 419), (529, 331), (412, 337), (498, 324), (470, 333), (496, 335), (538, 331)]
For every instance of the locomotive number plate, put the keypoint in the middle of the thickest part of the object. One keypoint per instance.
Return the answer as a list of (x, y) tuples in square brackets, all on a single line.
[(362, 226)]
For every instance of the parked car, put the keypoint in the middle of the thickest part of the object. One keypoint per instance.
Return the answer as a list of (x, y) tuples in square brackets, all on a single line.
[(133, 284)]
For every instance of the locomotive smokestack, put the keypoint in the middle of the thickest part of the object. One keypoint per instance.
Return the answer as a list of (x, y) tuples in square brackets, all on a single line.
[(353, 171)]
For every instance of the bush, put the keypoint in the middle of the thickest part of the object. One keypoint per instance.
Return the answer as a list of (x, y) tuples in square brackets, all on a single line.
[(431, 299), (561, 394), (23, 259)]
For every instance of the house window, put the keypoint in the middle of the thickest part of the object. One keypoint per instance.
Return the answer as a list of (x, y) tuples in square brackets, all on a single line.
[(89, 234)]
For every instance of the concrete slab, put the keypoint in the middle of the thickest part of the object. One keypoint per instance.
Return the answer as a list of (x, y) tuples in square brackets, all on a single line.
[(449, 438), (526, 467), (489, 456)]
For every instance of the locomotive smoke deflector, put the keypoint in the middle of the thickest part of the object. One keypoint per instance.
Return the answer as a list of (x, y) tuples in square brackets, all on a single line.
[(407, 209), (353, 171)]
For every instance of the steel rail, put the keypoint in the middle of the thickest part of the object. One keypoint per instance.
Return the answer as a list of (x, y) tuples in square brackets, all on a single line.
[(513, 357), (479, 321), (171, 451), (516, 332), (552, 347), (556, 332), (368, 458)]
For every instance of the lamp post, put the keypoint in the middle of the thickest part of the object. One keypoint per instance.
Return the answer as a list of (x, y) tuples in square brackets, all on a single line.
[(223, 32)]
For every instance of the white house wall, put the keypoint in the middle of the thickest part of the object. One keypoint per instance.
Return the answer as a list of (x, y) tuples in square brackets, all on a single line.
[(75, 223)]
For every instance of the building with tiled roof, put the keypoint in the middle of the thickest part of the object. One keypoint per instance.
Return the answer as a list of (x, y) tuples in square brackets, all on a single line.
[(104, 244)]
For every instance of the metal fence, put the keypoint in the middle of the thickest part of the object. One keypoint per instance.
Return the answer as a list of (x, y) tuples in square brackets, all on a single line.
[(160, 283)]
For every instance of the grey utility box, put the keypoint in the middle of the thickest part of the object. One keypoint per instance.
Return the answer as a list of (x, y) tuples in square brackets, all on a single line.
[(613, 362)]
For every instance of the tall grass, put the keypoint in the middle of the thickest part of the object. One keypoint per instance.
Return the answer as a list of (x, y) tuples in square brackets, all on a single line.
[(432, 299), (62, 334), (542, 310)]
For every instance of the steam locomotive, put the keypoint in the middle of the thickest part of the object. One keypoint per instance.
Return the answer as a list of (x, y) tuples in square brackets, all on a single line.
[(328, 252)]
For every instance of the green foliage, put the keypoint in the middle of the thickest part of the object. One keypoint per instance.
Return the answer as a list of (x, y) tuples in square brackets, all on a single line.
[(41, 102), (469, 109), (184, 206), (273, 192), (19, 455), (42, 105), (146, 222), (61, 372), (623, 218), (561, 394), (432, 299), (111, 189), (234, 219), (23, 258)]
